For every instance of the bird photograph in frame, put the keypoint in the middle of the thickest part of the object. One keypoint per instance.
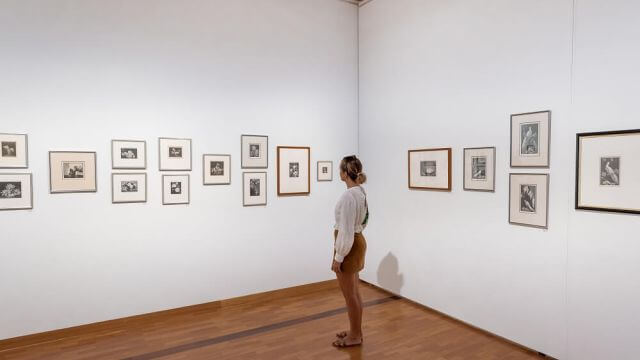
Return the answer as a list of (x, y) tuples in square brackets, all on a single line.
[(430, 169), (216, 169), (128, 188), (254, 151), (325, 171), (479, 169), (607, 171), (16, 191), (294, 170), (72, 171), (531, 139), (13, 151), (174, 154), (529, 200), (254, 187), (128, 154)]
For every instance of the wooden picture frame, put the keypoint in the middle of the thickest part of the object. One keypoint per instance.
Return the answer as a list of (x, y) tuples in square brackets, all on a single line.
[(295, 178), (426, 168)]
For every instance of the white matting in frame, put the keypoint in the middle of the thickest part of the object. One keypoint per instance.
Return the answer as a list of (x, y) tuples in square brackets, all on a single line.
[(175, 154), (608, 171), (254, 151), (529, 200), (72, 171), (254, 189), (14, 151), (294, 173), (16, 191), (430, 169), (128, 188), (325, 170), (530, 139), (216, 169), (128, 154), (175, 189), (480, 169)]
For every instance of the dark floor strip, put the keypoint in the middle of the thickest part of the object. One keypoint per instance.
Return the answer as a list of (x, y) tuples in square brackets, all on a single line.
[(252, 332)]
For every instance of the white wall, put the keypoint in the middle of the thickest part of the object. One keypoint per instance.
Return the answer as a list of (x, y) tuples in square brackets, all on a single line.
[(439, 73), (78, 73)]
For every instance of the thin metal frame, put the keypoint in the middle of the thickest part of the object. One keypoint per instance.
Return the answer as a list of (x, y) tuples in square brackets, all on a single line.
[(449, 172), (318, 170), (546, 221), (464, 168), (548, 142), (204, 167), (242, 166), (129, 168), (26, 152), (577, 180), (146, 190), (31, 190), (160, 153), (95, 167), (188, 189), (308, 149), (244, 195)]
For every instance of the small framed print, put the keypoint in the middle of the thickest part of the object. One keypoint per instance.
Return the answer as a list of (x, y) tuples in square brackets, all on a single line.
[(254, 189), (529, 200), (16, 192), (128, 188), (72, 172), (216, 169), (175, 154), (128, 154), (325, 170), (175, 189), (530, 139), (255, 151), (608, 171), (294, 172), (480, 169), (13, 151), (430, 169)]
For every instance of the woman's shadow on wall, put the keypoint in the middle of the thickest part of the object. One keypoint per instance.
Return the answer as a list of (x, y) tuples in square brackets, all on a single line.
[(389, 276)]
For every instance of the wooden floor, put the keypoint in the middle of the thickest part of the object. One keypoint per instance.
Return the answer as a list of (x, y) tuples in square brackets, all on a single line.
[(300, 327)]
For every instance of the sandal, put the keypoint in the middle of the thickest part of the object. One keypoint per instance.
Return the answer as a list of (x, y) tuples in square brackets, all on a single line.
[(342, 343), (342, 335)]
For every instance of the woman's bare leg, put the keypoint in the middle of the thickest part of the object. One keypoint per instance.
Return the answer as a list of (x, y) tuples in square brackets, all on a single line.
[(354, 307)]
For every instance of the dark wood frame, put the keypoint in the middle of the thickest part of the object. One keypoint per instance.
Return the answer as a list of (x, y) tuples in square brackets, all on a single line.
[(95, 166), (242, 166), (244, 195), (511, 142), (160, 154), (449, 164), (577, 182), (129, 168), (188, 187), (318, 170), (146, 190), (31, 190), (26, 152), (280, 193), (464, 168), (546, 221), (204, 167)]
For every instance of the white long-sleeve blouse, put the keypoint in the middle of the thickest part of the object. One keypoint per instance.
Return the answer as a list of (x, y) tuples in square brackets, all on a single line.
[(351, 211)]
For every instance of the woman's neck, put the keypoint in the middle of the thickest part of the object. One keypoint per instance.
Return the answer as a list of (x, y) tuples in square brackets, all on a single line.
[(350, 183)]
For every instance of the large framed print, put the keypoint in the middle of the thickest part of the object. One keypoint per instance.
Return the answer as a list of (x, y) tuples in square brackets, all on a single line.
[(216, 169), (529, 200), (254, 189), (128, 154), (72, 172), (255, 151), (531, 139), (608, 171), (430, 169), (175, 189), (325, 170), (294, 170), (16, 191), (175, 154), (128, 188), (480, 169), (14, 151)]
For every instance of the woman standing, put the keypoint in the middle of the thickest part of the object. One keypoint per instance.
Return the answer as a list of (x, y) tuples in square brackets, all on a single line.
[(352, 214)]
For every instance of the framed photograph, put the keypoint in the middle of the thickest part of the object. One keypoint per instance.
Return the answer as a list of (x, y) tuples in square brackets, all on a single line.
[(175, 154), (13, 151), (255, 151), (72, 172), (480, 169), (430, 169), (128, 188), (128, 154), (608, 171), (216, 169), (325, 170), (254, 189), (175, 189), (531, 139), (529, 200), (294, 170), (16, 192)]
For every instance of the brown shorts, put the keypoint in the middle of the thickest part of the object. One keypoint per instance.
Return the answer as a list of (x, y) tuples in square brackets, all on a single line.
[(354, 261)]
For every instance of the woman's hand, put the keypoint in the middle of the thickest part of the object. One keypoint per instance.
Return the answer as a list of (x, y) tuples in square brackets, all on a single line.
[(336, 267)]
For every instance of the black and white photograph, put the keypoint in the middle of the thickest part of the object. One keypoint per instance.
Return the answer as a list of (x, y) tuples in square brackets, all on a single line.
[(73, 170), (128, 153), (528, 198), (254, 150), (16, 192), (13, 151), (10, 189), (217, 168), (9, 149), (428, 168), (479, 168), (175, 152), (610, 171), (254, 189), (294, 170), (129, 186), (175, 189), (325, 170), (529, 139)]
